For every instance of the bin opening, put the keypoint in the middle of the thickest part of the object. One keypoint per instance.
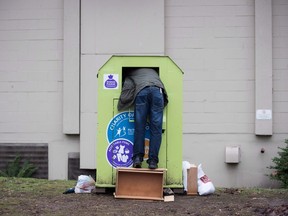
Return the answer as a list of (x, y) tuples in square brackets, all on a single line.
[(127, 70)]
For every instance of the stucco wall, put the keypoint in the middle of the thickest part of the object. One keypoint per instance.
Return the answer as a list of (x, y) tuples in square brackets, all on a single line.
[(213, 42), (31, 79)]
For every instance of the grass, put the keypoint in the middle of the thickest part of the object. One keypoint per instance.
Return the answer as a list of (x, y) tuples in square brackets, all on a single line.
[(265, 192), (34, 186)]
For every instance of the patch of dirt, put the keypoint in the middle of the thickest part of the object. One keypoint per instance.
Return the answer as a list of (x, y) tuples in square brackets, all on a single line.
[(50, 200), (281, 210)]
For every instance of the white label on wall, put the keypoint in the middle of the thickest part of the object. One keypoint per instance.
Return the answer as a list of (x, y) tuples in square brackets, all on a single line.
[(263, 114), (110, 81)]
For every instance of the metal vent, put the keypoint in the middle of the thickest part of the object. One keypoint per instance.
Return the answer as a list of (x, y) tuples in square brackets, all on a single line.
[(36, 154)]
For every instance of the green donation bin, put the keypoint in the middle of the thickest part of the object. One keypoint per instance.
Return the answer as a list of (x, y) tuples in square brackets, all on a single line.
[(115, 130)]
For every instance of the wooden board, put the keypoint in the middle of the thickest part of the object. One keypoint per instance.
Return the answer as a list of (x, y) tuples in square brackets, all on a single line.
[(192, 187)]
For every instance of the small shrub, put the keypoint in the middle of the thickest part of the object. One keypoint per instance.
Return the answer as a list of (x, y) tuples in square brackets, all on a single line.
[(281, 166), (15, 169)]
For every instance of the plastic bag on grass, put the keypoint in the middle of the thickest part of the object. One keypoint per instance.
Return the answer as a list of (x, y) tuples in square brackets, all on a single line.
[(205, 186), (185, 165), (85, 184)]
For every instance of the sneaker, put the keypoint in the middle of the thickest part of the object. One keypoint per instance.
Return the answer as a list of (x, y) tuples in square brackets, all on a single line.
[(152, 165), (137, 163)]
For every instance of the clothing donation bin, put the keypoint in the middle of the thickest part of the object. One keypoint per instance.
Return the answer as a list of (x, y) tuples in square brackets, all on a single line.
[(115, 130)]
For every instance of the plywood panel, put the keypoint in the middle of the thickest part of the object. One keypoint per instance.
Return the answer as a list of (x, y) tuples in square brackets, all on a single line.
[(192, 187)]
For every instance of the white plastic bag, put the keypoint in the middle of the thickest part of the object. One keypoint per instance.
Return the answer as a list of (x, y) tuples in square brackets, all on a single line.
[(205, 186), (85, 184), (185, 165)]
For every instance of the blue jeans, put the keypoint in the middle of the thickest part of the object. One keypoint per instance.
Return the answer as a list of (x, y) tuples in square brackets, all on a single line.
[(149, 104)]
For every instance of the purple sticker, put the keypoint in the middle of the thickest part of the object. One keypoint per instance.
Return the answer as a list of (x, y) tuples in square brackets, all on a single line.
[(110, 82), (119, 153)]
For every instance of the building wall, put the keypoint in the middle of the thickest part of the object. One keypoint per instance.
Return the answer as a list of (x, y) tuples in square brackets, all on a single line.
[(280, 65), (107, 31), (31, 79), (212, 41)]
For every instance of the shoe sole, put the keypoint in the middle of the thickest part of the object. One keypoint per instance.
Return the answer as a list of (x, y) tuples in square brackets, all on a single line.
[(136, 165), (152, 167)]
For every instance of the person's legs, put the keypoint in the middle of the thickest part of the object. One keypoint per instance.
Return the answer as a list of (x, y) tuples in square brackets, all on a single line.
[(156, 101), (140, 118)]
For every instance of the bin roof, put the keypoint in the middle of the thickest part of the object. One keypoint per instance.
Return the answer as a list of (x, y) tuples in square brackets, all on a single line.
[(139, 56)]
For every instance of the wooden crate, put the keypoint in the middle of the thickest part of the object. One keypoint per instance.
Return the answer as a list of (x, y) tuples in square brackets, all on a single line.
[(133, 183)]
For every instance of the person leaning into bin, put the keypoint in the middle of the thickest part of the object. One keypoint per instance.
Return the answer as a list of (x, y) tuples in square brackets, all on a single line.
[(143, 88)]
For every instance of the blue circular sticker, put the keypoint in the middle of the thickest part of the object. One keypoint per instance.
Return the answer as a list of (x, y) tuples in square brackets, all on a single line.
[(120, 136), (119, 153), (121, 127)]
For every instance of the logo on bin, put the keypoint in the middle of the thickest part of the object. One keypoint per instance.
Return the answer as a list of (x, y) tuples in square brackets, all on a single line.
[(119, 153), (110, 81), (121, 126), (120, 136)]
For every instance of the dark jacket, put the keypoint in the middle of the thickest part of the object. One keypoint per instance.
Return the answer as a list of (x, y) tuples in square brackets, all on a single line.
[(134, 82)]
